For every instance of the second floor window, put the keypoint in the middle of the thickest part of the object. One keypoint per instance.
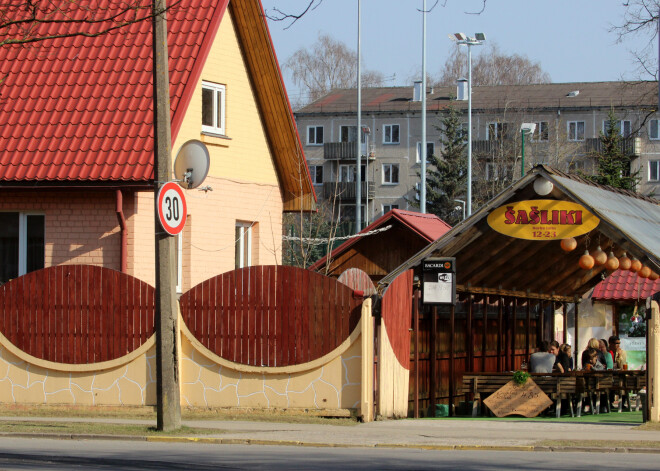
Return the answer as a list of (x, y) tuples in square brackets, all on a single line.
[(213, 108), (575, 130), (623, 126), (654, 129), (314, 135), (497, 131), (541, 131), (391, 134), (316, 171), (654, 170), (430, 150), (348, 173), (390, 174), (389, 207)]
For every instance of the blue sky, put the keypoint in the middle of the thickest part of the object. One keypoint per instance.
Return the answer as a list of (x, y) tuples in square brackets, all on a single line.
[(569, 38)]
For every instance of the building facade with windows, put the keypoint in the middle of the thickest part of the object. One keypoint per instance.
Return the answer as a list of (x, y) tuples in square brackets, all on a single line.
[(77, 176), (568, 119)]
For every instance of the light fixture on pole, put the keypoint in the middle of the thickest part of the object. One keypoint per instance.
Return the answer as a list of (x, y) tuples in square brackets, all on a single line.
[(462, 206), (525, 128), (478, 40)]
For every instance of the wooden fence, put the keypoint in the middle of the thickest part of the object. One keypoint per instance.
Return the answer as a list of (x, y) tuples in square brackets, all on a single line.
[(271, 315), (77, 314)]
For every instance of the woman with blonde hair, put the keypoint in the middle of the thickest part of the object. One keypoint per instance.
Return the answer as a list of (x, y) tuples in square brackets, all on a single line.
[(595, 345)]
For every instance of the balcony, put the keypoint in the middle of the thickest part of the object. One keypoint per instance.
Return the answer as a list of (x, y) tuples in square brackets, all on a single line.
[(344, 151), (629, 145), (346, 190)]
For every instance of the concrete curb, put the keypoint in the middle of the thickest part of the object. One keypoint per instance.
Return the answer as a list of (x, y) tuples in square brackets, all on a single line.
[(249, 441)]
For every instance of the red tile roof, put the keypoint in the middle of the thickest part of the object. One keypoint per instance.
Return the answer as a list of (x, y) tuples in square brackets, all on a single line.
[(625, 286), (428, 226), (80, 108)]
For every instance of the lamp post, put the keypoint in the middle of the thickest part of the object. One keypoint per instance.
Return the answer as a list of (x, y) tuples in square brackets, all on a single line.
[(525, 128), (478, 40), (358, 144)]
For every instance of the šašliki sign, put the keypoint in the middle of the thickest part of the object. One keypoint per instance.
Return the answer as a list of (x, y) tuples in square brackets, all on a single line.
[(542, 220)]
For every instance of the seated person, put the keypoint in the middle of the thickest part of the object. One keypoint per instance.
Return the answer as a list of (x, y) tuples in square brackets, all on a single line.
[(561, 359), (542, 361), (595, 345), (609, 361), (592, 361), (619, 355), (566, 348)]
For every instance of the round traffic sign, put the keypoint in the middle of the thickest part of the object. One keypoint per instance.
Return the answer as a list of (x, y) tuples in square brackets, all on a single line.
[(172, 208)]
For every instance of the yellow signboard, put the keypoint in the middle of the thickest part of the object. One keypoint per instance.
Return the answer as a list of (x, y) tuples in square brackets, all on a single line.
[(542, 220)]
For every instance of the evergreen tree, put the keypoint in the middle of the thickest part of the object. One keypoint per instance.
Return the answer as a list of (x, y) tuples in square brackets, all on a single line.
[(446, 177), (612, 164)]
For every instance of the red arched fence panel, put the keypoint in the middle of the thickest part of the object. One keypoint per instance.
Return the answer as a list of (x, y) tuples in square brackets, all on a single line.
[(396, 309), (271, 315), (77, 314)]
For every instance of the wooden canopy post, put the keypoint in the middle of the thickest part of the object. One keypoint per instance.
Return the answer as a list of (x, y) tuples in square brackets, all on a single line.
[(469, 344), (433, 359), (452, 356), (416, 353), (564, 328), (500, 333), (528, 329), (484, 344), (577, 337)]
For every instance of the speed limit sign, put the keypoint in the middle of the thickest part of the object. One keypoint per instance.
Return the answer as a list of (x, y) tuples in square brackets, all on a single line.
[(172, 208)]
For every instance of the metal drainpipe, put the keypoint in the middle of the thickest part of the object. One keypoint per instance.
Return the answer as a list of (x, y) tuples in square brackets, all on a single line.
[(123, 250)]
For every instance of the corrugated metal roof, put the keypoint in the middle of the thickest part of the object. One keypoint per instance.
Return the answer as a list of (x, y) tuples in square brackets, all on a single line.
[(625, 286), (80, 108), (537, 96), (638, 219)]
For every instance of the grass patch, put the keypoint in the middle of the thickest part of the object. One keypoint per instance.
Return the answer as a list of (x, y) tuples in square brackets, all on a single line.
[(90, 428), (149, 413), (623, 418)]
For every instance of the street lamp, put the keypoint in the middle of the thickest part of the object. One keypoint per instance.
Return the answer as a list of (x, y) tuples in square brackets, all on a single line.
[(525, 128), (462, 206), (478, 40)]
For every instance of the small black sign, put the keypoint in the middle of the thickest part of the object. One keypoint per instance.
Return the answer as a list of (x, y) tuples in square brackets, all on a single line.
[(439, 285)]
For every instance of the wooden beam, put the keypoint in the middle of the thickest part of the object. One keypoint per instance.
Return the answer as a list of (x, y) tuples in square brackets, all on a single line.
[(512, 293)]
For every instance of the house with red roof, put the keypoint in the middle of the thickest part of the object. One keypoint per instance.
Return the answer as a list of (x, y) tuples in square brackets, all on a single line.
[(384, 244), (77, 152)]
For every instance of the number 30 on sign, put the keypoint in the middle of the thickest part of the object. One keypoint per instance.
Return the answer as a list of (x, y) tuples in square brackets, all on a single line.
[(172, 208)]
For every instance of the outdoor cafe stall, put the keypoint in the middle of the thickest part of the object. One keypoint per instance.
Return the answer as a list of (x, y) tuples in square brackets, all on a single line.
[(520, 264)]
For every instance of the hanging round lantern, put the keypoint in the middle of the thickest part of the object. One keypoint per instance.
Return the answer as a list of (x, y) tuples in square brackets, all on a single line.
[(636, 265), (612, 262), (645, 272), (624, 262), (568, 244), (600, 257), (654, 276), (586, 261)]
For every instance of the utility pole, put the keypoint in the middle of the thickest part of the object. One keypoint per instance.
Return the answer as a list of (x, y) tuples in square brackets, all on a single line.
[(167, 356), (358, 156)]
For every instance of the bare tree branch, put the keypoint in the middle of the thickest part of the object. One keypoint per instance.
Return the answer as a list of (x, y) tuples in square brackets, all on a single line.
[(279, 15)]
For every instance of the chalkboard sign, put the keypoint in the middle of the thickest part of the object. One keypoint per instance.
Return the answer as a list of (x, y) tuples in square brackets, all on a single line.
[(527, 400)]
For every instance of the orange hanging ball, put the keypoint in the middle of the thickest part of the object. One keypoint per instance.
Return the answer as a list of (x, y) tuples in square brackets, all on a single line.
[(654, 276), (645, 272), (636, 265), (586, 261), (569, 244), (612, 262), (600, 257), (624, 262)]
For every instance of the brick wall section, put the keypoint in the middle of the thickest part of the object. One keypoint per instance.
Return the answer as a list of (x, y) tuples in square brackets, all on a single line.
[(81, 228)]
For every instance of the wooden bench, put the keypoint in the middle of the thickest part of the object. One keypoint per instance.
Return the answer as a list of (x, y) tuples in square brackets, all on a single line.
[(573, 385)]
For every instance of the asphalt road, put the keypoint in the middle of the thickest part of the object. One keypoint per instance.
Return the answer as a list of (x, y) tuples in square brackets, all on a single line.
[(41, 454)]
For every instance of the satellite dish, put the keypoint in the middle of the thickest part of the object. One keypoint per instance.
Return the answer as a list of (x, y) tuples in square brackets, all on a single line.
[(192, 164)]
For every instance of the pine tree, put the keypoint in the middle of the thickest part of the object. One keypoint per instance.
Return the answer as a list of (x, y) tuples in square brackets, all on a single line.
[(447, 174), (612, 164)]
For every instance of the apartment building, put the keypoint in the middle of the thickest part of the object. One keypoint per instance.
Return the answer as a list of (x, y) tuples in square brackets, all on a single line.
[(568, 118)]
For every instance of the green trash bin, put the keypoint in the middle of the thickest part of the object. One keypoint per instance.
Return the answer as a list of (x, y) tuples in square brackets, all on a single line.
[(441, 410)]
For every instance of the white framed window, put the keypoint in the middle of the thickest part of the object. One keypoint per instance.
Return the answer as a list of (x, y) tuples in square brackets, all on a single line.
[(348, 173), (389, 207), (213, 108), (541, 132), (347, 211), (22, 244), (654, 170), (390, 174), (575, 130), (623, 126), (497, 131), (316, 172), (391, 134), (347, 133), (654, 129), (314, 135), (243, 244), (430, 150), (576, 166)]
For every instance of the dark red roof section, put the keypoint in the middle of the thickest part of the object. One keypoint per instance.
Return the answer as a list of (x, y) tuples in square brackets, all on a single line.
[(428, 226), (80, 108), (624, 285)]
